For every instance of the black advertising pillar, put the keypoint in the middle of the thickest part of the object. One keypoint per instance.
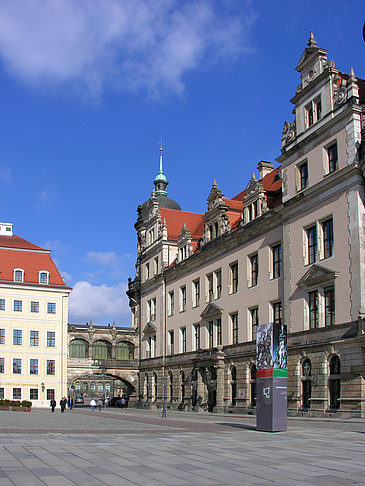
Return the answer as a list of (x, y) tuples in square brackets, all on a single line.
[(272, 373)]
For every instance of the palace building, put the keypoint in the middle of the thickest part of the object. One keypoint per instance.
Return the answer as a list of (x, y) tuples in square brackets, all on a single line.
[(33, 322), (289, 246)]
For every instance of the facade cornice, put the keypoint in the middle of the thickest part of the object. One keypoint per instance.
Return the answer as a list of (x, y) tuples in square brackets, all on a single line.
[(33, 286)]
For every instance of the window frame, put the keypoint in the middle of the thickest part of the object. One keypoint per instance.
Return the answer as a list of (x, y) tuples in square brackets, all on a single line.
[(51, 308), (332, 158), (51, 339), (2, 336), (171, 303), (17, 338), (33, 366), (233, 268), (50, 367), (276, 261), (234, 324), (302, 177), (18, 272), (183, 339), (34, 307), (41, 273), (197, 336), (17, 366), (182, 298), (2, 305), (33, 338), (327, 238), (17, 305), (254, 321), (253, 270), (196, 292)]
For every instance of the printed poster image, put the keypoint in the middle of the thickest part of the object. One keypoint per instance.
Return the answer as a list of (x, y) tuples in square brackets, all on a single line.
[(280, 353), (264, 346)]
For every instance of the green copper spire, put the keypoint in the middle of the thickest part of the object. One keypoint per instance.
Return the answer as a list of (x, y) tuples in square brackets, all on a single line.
[(160, 182)]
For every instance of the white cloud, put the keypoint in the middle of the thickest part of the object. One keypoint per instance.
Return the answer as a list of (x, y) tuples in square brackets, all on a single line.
[(66, 277), (148, 44), (44, 199), (99, 303), (103, 257), (5, 173)]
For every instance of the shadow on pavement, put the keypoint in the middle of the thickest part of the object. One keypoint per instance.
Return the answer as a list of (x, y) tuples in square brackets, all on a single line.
[(238, 426)]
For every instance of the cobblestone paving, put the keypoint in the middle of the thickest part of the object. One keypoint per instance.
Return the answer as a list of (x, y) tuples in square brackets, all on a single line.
[(130, 447)]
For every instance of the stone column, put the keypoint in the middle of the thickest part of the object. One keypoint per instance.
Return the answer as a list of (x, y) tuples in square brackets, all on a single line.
[(220, 386)]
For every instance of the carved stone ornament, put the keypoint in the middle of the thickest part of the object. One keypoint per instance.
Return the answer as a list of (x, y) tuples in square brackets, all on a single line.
[(339, 90), (289, 132)]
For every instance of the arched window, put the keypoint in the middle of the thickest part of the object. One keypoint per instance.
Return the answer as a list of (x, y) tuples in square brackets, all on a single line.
[(124, 350), (216, 229), (102, 350), (154, 386), (253, 385), (18, 275), (233, 385), (78, 385), (182, 377), (100, 387), (171, 386), (107, 387), (43, 277), (335, 382), (306, 383), (79, 348), (93, 386)]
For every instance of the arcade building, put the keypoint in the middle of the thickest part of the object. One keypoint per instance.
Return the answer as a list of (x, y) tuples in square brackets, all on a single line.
[(289, 247)]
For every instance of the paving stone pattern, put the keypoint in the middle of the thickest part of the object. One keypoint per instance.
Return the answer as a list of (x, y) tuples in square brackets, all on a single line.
[(130, 447)]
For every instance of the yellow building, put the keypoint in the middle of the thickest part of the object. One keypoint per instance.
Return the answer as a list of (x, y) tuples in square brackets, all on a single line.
[(33, 322)]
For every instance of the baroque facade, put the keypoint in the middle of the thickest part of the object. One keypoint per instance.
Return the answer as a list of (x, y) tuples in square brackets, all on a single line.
[(102, 361), (289, 246), (33, 322)]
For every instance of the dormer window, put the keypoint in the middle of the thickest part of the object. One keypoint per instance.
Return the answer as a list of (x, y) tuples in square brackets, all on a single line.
[(313, 112), (151, 236), (43, 277), (18, 275)]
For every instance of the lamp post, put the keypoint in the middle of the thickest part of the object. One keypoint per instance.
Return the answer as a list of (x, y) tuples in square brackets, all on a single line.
[(164, 396)]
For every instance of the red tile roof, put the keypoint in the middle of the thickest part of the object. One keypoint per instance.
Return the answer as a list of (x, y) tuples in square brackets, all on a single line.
[(18, 253), (175, 221), (270, 183)]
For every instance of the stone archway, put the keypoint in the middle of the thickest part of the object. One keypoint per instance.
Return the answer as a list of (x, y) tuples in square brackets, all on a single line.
[(99, 385)]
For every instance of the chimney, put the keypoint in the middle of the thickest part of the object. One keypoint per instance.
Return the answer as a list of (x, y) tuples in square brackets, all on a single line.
[(264, 168), (6, 229)]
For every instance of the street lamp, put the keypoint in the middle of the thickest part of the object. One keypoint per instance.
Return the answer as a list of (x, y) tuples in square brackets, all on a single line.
[(164, 396)]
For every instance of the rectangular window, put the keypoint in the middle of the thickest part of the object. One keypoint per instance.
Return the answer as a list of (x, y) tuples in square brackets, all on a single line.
[(51, 367), (210, 287), (2, 336), (33, 394), (329, 300), (147, 271), (219, 331), (254, 270), (234, 319), (50, 394), (2, 365), (327, 228), (17, 337), (303, 175), (51, 308), (33, 367), (151, 310), (211, 334), (277, 311), (17, 393), (155, 266), (171, 303), (2, 304), (151, 347), (313, 112), (312, 245), (34, 306), (2, 393), (172, 342), (182, 298), (196, 293), (218, 280), (313, 309), (34, 338), (18, 306), (196, 336), (183, 339), (43, 278), (234, 277), (276, 261), (18, 276), (51, 339), (254, 317), (17, 366), (309, 115), (332, 158)]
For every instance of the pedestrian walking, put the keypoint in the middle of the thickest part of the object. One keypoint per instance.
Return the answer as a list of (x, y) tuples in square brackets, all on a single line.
[(100, 404), (53, 404), (63, 404), (92, 404), (70, 402)]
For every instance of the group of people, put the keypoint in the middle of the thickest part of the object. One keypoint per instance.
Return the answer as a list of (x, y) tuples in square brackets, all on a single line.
[(63, 403)]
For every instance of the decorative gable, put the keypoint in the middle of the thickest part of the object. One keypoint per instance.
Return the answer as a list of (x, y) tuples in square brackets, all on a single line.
[(149, 329), (216, 217), (254, 200), (211, 311), (317, 275), (185, 247)]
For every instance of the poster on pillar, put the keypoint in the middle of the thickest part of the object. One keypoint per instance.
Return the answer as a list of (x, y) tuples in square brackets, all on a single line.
[(272, 364)]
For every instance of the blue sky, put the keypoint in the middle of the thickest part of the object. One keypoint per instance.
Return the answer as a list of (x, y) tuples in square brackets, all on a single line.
[(88, 88)]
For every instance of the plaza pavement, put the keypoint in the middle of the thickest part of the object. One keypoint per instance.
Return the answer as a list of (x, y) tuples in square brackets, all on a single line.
[(137, 447)]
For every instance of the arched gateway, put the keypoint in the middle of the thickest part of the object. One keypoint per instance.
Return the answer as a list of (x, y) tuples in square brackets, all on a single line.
[(102, 361)]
